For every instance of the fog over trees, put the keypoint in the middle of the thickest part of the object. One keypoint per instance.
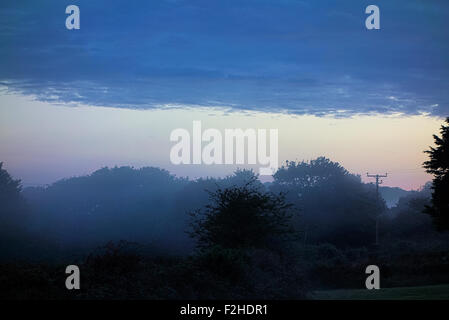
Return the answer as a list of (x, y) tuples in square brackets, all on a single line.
[(150, 206), (146, 233)]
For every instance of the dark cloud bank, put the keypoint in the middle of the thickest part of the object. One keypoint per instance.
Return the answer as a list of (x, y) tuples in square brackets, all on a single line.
[(303, 57)]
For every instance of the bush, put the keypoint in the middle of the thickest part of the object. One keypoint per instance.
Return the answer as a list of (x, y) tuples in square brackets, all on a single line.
[(242, 217)]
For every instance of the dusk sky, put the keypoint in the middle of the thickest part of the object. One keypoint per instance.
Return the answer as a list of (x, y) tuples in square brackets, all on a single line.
[(110, 93)]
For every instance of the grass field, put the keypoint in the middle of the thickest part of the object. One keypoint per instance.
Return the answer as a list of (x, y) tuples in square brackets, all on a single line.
[(439, 292)]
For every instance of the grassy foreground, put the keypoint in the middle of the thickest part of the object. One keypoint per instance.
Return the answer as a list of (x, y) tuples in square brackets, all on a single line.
[(438, 292)]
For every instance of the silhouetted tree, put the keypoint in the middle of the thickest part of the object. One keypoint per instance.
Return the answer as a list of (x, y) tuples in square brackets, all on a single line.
[(110, 204), (335, 205), (242, 217), (13, 214), (10, 197), (407, 219), (7, 184), (438, 165)]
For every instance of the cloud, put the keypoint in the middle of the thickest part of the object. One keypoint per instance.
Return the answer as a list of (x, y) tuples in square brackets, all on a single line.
[(301, 57)]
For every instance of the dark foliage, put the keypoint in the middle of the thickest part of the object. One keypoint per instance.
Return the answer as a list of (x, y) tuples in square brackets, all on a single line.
[(407, 220), (240, 231), (118, 271), (335, 205), (242, 217), (13, 214), (11, 201), (438, 165)]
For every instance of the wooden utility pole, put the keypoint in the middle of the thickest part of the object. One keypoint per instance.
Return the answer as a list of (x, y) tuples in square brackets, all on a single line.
[(378, 181)]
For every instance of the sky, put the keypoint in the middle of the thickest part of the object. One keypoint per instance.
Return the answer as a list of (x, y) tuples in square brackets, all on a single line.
[(110, 93)]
